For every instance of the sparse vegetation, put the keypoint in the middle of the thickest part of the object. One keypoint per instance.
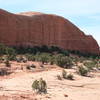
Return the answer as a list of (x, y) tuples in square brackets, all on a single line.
[(90, 64), (49, 55), (30, 57), (4, 71), (63, 61), (30, 63), (40, 86), (7, 63), (64, 74), (29, 67), (59, 77), (35, 85), (83, 71), (44, 58)]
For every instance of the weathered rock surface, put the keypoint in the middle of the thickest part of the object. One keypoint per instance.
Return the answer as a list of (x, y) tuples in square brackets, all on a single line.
[(33, 28)]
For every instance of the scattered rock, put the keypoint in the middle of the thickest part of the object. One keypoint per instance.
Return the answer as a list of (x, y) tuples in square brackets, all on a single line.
[(65, 95)]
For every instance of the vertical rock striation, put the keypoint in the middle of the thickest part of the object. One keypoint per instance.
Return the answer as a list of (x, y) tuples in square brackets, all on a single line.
[(33, 28)]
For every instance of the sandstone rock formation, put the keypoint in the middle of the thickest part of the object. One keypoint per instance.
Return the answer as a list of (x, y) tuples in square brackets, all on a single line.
[(33, 28)]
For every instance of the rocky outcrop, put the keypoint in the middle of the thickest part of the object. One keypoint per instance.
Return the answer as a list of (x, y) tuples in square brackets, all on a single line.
[(34, 28)]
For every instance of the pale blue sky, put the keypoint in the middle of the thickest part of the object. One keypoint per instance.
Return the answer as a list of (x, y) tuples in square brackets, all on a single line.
[(83, 13)]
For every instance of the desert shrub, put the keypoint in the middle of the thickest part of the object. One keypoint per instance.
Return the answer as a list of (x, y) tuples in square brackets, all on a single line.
[(44, 48), (64, 74), (35, 85), (7, 63), (40, 86), (59, 77), (44, 57), (97, 64), (21, 58), (90, 64), (82, 59), (52, 60), (75, 60), (4, 71), (24, 60), (12, 57), (0, 59), (64, 52), (29, 67), (18, 60), (63, 61), (70, 76), (30, 57), (2, 49), (55, 49), (83, 71), (59, 61), (10, 51)]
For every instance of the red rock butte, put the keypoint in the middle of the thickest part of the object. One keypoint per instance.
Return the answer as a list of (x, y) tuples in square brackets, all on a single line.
[(36, 29)]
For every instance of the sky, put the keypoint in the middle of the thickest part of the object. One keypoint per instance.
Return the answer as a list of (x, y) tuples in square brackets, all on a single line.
[(83, 13)]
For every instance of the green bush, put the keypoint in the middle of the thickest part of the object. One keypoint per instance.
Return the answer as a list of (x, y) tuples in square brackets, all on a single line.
[(63, 61), (10, 52), (52, 60), (90, 64), (35, 85), (44, 48), (82, 59), (40, 86), (12, 57), (54, 49), (2, 49), (98, 64), (83, 71), (44, 57), (30, 57), (64, 74), (64, 52)]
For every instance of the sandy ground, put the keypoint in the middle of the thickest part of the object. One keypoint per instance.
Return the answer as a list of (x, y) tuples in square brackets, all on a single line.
[(18, 86)]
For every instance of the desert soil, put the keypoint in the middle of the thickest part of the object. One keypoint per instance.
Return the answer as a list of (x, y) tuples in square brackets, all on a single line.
[(17, 86)]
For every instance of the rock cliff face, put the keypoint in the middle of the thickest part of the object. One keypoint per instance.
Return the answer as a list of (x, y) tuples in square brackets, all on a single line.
[(33, 28)]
